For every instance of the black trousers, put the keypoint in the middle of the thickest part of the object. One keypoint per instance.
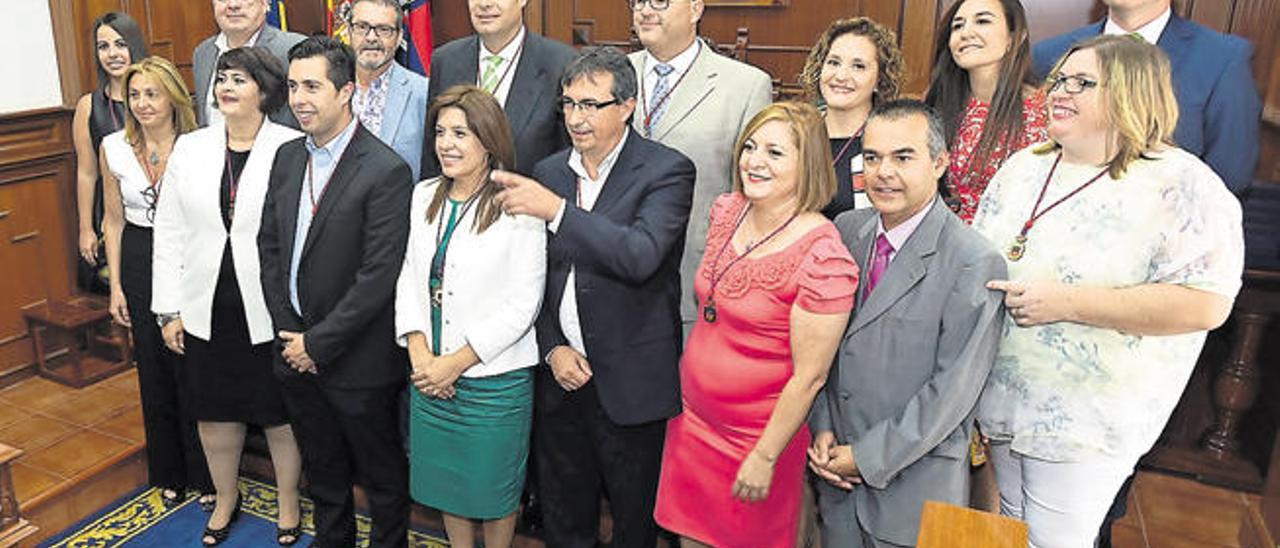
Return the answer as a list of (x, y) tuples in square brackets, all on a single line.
[(175, 458), (348, 435), (580, 453)]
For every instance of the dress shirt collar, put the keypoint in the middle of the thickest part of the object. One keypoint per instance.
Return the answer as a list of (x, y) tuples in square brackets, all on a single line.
[(680, 62), (1150, 32), (223, 47), (508, 52), (335, 146), (606, 165), (898, 235)]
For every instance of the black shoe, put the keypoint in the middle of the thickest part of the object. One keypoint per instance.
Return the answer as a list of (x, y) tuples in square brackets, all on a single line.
[(219, 535), (207, 501), (171, 498), (292, 534)]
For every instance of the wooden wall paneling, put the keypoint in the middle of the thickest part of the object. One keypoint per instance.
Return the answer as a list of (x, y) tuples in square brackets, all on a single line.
[(1215, 14), (916, 34), (449, 20), (306, 17)]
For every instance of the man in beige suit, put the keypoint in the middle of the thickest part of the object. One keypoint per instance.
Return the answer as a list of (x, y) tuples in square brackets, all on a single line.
[(697, 102)]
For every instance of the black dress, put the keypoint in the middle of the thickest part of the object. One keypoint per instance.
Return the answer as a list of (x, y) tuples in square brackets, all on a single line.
[(846, 156), (229, 378), (106, 116)]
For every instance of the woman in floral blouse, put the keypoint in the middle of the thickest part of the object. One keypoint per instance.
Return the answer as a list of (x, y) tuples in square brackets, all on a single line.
[(983, 88), (1123, 251)]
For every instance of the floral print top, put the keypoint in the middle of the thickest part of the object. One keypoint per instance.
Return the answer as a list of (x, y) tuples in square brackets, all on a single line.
[(966, 187)]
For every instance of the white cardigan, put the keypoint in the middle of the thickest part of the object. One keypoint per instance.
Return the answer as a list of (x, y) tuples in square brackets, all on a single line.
[(493, 286), (189, 234)]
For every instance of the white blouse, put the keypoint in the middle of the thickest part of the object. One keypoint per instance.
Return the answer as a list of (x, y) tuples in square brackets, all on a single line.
[(134, 183)]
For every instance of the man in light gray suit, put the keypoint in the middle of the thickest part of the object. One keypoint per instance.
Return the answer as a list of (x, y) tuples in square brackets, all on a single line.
[(696, 101), (240, 23), (892, 424), (390, 100)]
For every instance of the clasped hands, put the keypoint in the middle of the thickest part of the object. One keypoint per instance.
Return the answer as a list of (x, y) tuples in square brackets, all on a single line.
[(433, 375), (570, 368), (833, 463), (295, 352)]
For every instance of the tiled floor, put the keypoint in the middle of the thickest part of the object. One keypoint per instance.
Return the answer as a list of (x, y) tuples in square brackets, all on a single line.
[(66, 432)]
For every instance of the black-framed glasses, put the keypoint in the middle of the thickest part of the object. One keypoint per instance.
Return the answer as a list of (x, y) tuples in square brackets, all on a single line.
[(589, 107), (360, 29), (151, 197), (657, 5), (1074, 85)]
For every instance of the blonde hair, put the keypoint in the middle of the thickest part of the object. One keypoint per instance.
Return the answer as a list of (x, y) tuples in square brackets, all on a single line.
[(161, 71), (1137, 97), (817, 184)]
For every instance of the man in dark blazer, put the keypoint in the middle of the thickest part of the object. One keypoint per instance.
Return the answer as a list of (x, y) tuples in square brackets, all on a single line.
[(334, 230), (1218, 105), (239, 24), (609, 329), (523, 79), (891, 427)]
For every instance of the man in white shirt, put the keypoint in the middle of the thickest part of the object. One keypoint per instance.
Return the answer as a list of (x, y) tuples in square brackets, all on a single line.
[(241, 23)]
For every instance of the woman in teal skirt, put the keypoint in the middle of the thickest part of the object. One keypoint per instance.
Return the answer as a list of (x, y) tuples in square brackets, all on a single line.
[(465, 304)]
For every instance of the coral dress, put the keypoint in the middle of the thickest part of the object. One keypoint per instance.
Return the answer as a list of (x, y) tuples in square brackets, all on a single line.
[(731, 375)]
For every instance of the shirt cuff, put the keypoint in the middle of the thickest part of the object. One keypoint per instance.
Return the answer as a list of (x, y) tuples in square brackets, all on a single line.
[(554, 225)]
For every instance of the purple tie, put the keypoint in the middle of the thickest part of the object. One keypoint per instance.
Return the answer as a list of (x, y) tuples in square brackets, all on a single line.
[(879, 262)]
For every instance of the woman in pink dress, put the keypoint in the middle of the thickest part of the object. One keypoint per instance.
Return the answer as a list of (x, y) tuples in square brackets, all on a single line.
[(774, 290), (983, 87)]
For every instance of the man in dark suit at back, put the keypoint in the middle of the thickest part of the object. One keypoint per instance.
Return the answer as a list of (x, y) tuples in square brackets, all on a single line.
[(334, 230), (518, 67), (609, 330)]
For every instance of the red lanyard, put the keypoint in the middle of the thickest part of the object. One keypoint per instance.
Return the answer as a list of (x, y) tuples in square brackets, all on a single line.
[(649, 110), (1019, 246), (709, 308), (232, 187), (311, 185), (835, 160)]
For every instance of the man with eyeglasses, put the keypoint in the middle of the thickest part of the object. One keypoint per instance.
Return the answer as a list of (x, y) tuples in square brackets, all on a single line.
[(241, 23), (616, 205), (390, 100), (517, 66), (696, 101)]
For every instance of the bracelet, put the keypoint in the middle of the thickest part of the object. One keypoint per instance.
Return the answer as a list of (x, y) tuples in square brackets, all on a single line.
[(164, 319)]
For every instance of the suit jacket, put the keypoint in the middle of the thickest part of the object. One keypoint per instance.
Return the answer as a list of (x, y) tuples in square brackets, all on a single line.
[(350, 260), (1218, 106), (909, 372), (204, 61), (406, 108), (626, 255), (705, 114), (536, 124), (190, 235)]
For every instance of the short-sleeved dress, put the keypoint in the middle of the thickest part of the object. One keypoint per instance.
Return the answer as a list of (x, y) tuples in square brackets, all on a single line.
[(1066, 392), (731, 375), (966, 186)]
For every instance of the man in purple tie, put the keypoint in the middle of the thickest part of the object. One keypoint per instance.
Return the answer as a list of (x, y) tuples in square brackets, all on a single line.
[(892, 426)]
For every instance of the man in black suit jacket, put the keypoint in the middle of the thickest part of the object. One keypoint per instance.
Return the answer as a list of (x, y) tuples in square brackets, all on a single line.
[(523, 80), (334, 230), (609, 328)]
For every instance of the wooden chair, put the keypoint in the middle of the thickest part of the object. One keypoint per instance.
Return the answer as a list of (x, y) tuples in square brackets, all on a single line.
[(75, 342), (949, 526)]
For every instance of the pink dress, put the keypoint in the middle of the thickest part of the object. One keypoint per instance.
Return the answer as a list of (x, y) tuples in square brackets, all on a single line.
[(731, 375), (968, 186)]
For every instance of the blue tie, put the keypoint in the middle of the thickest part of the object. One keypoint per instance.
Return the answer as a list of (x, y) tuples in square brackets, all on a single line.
[(658, 100)]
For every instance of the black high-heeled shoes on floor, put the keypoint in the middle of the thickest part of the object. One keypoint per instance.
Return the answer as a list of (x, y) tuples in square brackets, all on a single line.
[(214, 537)]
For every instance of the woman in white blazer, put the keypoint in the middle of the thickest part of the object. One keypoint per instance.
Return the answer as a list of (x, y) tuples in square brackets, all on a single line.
[(466, 301), (207, 287)]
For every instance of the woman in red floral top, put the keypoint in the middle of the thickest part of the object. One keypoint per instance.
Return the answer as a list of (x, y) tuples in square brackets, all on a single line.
[(983, 87)]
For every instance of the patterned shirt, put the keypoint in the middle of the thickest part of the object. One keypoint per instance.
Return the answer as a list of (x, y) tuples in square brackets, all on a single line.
[(1067, 391), (370, 103), (967, 186)]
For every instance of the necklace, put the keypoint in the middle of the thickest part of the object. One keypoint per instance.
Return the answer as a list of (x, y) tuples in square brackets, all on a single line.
[(1019, 246), (709, 309)]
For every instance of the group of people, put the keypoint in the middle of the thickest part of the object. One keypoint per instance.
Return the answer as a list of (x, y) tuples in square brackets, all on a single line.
[(660, 287)]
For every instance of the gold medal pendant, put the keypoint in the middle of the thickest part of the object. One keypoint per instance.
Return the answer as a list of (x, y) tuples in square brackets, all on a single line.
[(709, 312), (1017, 248)]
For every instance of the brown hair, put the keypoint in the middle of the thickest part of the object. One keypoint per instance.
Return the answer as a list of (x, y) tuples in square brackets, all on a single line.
[(1137, 96), (817, 184), (486, 120), (167, 77), (889, 64)]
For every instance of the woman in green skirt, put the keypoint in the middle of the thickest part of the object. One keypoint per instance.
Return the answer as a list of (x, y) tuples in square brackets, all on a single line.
[(465, 305)]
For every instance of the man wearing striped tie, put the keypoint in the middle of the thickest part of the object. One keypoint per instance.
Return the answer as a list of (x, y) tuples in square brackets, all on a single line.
[(520, 69)]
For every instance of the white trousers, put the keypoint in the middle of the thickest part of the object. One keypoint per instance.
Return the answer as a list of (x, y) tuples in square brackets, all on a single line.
[(1063, 503)]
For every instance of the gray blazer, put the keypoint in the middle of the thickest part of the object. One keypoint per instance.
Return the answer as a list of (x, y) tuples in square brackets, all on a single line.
[(908, 375), (706, 113), (205, 59)]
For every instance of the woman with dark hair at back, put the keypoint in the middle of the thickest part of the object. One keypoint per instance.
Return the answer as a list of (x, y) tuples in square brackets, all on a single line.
[(983, 87), (117, 43)]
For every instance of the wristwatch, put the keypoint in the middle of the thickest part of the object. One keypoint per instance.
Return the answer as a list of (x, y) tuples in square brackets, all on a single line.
[(164, 319)]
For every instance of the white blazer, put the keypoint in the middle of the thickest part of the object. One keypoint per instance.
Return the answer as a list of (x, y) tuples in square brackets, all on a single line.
[(189, 234), (493, 284)]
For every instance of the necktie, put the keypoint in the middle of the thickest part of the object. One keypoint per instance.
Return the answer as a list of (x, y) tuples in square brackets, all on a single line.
[(489, 79), (658, 99), (879, 262)]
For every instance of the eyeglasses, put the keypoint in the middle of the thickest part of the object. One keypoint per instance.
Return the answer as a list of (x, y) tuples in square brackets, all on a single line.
[(151, 197), (1074, 85), (657, 5), (589, 107), (361, 29)]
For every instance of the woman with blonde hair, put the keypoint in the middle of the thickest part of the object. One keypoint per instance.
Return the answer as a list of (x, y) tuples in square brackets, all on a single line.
[(1123, 250), (774, 289), (854, 66)]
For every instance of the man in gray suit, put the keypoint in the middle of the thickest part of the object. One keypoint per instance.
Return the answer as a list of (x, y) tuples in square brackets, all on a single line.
[(892, 425), (241, 23), (390, 100), (697, 102)]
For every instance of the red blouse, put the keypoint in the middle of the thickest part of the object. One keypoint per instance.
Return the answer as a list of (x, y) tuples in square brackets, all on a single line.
[(966, 186)]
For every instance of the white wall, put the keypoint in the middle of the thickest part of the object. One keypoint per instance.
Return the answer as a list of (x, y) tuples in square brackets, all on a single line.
[(30, 62)]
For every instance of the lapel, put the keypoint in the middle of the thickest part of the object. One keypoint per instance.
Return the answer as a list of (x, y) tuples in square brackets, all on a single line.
[(529, 72), (698, 83), (397, 100), (905, 271), (1175, 39), (290, 196), (347, 169), (467, 71), (620, 176), (256, 172), (215, 166)]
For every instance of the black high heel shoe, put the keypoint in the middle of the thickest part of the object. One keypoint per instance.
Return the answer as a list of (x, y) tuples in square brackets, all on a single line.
[(292, 534), (171, 498), (219, 535), (207, 501)]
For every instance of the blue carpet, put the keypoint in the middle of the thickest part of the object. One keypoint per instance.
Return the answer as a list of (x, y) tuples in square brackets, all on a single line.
[(140, 520)]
